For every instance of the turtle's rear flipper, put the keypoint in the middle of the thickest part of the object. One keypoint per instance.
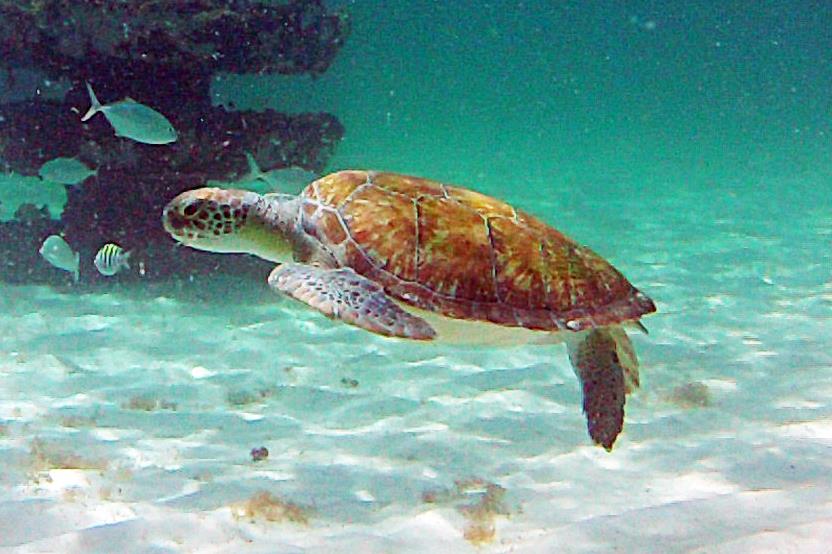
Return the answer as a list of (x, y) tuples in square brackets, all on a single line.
[(345, 295), (607, 368)]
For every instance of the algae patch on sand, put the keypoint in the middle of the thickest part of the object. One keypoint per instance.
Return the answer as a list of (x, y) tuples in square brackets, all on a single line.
[(690, 395), (148, 404), (265, 506), (46, 457), (479, 502)]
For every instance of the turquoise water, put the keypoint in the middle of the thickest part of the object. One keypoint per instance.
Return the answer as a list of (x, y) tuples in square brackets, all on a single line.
[(570, 94), (689, 144)]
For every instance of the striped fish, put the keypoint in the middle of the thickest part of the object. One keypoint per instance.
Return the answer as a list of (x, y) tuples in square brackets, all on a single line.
[(111, 259)]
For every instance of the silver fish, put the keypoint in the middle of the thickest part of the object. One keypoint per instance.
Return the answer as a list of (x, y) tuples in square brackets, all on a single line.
[(133, 120), (57, 252), (65, 171), (289, 180), (111, 259)]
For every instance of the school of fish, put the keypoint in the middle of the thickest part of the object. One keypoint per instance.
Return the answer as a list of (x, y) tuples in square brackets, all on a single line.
[(135, 121)]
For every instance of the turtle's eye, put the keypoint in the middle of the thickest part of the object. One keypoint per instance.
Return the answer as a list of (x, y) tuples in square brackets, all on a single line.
[(191, 208)]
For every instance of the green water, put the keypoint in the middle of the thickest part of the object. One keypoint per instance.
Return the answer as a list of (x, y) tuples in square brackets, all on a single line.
[(552, 95)]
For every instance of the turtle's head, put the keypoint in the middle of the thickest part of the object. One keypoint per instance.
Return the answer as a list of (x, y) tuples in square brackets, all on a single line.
[(223, 220)]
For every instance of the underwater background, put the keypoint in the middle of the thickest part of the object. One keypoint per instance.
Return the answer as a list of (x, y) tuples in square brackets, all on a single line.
[(686, 142)]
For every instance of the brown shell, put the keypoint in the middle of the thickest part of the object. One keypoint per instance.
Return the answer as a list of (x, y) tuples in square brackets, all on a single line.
[(463, 254)]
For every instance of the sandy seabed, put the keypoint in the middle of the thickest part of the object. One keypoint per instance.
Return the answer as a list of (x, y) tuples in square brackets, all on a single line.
[(128, 415)]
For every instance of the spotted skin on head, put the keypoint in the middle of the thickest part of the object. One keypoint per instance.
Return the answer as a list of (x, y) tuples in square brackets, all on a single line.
[(205, 214)]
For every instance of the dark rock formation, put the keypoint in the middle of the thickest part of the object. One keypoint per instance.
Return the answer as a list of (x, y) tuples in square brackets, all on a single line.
[(161, 53), (177, 41)]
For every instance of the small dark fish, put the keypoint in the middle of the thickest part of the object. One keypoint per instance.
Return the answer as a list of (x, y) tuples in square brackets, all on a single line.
[(259, 454)]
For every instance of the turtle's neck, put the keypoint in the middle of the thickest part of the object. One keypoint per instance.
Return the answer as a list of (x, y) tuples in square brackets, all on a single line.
[(278, 212), (272, 227)]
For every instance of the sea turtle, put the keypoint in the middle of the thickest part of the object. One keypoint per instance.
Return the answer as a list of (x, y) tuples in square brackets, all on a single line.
[(413, 258)]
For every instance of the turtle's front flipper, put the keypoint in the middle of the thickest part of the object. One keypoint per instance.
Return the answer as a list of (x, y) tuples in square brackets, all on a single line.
[(606, 365), (343, 294)]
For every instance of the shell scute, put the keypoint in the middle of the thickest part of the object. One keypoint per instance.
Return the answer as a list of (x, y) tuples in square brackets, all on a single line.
[(309, 209), (484, 205), (497, 312), (384, 225), (330, 227), (334, 189), (455, 253), (520, 264), (412, 187), (540, 319)]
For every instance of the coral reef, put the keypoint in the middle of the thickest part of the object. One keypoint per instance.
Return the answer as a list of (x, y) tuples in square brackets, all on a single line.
[(113, 38), (162, 53)]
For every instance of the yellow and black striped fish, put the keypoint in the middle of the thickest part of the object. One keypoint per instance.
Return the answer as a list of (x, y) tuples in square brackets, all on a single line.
[(111, 259)]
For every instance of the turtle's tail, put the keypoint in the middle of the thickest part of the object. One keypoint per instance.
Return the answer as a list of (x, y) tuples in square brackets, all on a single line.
[(607, 368)]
